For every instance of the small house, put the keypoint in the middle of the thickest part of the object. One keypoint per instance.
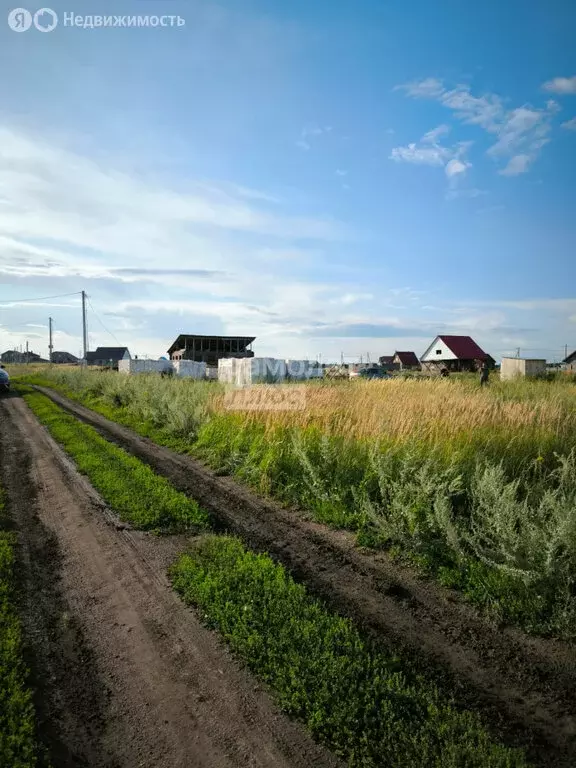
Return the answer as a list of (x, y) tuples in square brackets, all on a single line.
[(454, 353), (64, 358), (570, 362), (108, 357), (407, 361)]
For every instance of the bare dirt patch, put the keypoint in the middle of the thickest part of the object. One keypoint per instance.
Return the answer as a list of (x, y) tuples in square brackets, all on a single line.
[(524, 686), (126, 675)]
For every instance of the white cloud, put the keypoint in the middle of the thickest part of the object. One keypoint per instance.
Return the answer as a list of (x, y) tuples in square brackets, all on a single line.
[(520, 132), (353, 298), (484, 111), (522, 127), (340, 172), (420, 155), (554, 305), (570, 125), (455, 167), (68, 222), (561, 85), (516, 165), (429, 88), (436, 133), (431, 152)]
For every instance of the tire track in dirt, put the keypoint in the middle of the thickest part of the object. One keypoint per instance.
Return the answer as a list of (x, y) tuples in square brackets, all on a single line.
[(128, 675), (523, 685)]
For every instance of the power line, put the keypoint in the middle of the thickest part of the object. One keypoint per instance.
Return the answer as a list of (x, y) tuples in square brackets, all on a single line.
[(45, 298), (101, 323)]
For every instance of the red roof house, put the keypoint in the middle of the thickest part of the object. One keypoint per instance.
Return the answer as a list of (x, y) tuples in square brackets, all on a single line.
[(456, 353), (406, 360)]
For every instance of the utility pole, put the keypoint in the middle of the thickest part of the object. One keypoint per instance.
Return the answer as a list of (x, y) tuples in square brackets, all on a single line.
[(517, 351), (565, 351), (27, 354), (50, 345), (84, 329)]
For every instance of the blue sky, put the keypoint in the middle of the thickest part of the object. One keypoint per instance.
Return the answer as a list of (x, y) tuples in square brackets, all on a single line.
[(330, 177)]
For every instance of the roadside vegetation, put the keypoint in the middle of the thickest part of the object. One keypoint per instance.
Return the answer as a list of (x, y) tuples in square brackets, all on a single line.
[(132, 489), (18, 747), (476, 487), (367, 706)]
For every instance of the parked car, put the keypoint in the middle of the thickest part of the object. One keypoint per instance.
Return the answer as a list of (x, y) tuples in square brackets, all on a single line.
[(4, 380), (373, 373)]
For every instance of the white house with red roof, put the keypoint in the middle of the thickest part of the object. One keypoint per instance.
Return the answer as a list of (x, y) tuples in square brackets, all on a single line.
[(455, 353)]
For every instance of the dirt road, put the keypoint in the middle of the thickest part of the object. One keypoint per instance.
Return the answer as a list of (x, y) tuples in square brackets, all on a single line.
[(126, 676), (524, 686)]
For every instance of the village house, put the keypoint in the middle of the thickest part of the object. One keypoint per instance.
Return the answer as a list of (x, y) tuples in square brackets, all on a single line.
[(108, 357), (570, 362), (407, 361), (454, 353)]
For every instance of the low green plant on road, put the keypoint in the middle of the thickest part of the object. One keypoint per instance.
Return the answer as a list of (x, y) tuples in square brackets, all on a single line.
[(18, 747), (362, 702), (132, 489)]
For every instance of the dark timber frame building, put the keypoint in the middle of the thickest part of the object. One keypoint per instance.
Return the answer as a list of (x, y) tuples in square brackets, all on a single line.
[(210, 349)]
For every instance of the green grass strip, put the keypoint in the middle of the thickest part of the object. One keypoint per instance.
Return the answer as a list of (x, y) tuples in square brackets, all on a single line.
[(128, 486), (18, 747), (364, 704)]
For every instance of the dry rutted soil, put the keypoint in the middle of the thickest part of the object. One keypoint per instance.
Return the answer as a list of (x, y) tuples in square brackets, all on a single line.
[(124, 674), (523, 686)]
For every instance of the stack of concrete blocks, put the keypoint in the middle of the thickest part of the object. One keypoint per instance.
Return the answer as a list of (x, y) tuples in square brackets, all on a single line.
[(259, 370), (243, 372), (189, 369), (144, 366), (302, 370), (227, 370)]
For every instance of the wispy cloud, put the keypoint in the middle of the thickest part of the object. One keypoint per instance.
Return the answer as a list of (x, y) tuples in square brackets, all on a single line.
[(419, 155), (429, 88), (516, 165), (570, 125), (561, 85), (520, 132), (309, 132), (429, 151), (435, 134)]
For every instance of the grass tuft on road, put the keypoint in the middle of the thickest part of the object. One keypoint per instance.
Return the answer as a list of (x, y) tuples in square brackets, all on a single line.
[(361, 702), (18, 747), (128, 486)]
